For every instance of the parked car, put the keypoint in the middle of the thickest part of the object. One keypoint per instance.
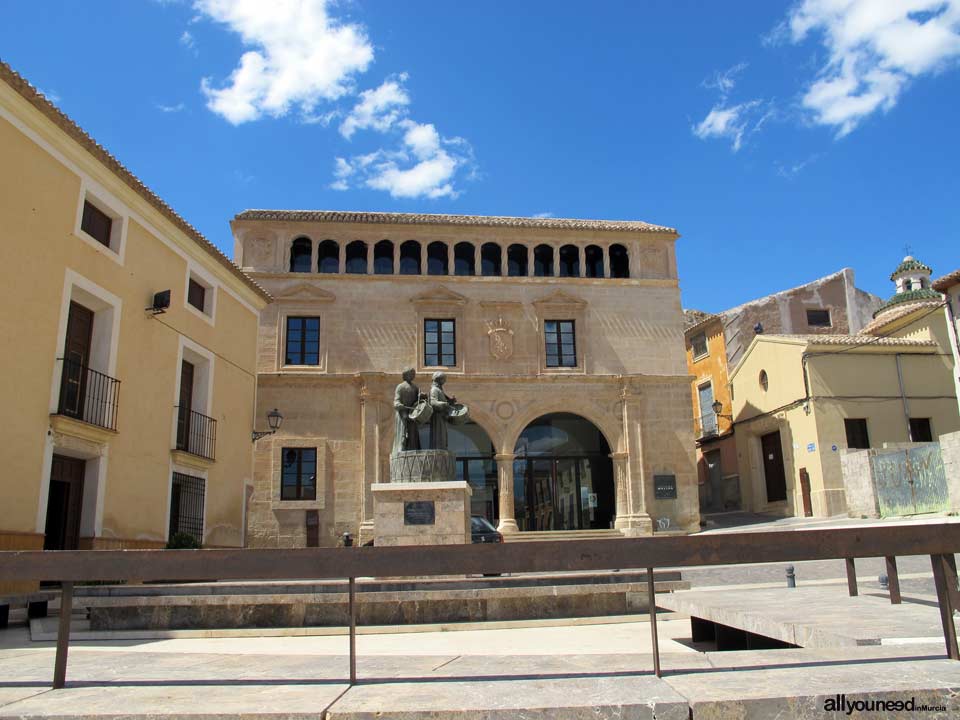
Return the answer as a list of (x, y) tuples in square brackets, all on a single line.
[(482, 531)]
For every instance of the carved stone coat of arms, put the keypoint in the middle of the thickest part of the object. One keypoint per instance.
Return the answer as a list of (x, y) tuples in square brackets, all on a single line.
[(501, 339)]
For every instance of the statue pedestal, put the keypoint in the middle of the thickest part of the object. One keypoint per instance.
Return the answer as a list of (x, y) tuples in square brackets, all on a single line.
[(421, 513)]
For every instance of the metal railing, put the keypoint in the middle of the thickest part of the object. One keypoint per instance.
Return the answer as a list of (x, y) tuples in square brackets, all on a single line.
[(87, 395), (196, 433), (939, 541), (707, 425)]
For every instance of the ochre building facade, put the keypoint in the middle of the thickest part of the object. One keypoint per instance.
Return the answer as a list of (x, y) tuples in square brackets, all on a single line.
[(108, 445), (564, 337)]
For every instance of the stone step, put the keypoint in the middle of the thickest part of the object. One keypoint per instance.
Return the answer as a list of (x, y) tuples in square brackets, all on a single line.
[(534, 536)]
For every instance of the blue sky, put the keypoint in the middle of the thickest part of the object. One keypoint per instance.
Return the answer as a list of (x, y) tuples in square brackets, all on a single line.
[(784, 140)]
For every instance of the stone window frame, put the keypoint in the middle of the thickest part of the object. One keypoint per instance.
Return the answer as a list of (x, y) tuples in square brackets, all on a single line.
[(276, 472), (448, 306), (113, 208), (298, 309), (561, 306)]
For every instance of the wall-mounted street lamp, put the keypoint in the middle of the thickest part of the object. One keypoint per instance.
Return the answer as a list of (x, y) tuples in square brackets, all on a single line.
[(274, 420), (717, 407)]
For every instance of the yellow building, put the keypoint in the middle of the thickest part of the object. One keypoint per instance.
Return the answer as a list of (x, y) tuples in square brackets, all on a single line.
[(800, 400), (123, 425)]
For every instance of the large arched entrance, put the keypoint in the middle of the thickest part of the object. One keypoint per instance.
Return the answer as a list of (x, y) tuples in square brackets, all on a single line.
[(563, 476), (475, 463)]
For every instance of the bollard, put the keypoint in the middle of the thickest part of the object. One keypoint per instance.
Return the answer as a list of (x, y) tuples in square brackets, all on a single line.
[(791, 577), (347, 540)]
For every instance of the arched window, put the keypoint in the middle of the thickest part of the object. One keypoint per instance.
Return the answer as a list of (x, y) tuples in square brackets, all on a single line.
[(517, 261), (619, 262), (490, 255), (383, 258), (463, 259), (437, 258), (357, 257), (300, 252), (543, 261), (410, 258), (328, 256), (563, 475), (569, 261), (593, 257)]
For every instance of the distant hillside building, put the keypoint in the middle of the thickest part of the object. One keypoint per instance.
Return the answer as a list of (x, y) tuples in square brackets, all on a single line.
[(716, 343), (563, 337)]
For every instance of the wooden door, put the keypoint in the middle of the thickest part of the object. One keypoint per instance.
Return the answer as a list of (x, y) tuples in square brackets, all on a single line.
[(186, 405), (64, 504), (773, 467), (76, 359)]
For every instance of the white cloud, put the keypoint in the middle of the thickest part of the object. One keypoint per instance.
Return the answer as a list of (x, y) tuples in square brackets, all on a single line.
[(179, 107), (730, 122), (187, 40), (543, 215), (791, 170), (50, 95), (300, 56), (424, 166), (378, 109), (875, 47), (724, 81)]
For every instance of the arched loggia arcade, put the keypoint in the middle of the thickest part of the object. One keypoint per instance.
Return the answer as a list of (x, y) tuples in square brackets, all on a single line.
[(563, 476), (475, 463)]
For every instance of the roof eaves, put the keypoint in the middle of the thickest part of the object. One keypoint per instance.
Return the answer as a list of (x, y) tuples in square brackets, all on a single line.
[(63, 121)]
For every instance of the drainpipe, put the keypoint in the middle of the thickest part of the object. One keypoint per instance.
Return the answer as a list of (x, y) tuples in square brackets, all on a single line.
[(804, 370), (903, 398)]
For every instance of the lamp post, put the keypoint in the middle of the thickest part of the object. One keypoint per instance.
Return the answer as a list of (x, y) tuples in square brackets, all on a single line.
[(717, 407), (274, 421)]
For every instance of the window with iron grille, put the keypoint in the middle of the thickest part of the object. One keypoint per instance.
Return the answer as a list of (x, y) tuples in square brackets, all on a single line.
[(699, 344), (561, 343), (96, 223), (298, 474), (196, 295), (303, 341), (186, 506), (439, 342)]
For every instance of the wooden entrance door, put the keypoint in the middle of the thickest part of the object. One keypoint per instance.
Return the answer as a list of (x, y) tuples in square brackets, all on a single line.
[(773, 467), (64, 504), (76, 359), (186, 405)]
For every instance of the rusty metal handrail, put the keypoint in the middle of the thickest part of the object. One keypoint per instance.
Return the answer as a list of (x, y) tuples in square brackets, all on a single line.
[(939, 541)]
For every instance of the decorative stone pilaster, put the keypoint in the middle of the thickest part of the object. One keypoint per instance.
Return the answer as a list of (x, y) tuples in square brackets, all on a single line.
[(370, 458), (636, 520), (508, 521)]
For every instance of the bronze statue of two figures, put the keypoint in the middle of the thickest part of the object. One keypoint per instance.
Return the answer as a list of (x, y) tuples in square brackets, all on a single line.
[(414, 408)]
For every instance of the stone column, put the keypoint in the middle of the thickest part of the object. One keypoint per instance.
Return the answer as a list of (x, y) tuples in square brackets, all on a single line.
[(508, 523), (583, 260), (342, 258), (505, 267), (396, 258), (370, 258), (529, 272), (369, 458), (556, 261), (477, 266), (606, 261), (621, 489), (314, 256), (451, 259)]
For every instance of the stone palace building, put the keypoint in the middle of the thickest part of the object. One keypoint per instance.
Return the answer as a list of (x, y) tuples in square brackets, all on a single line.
[(565, 338)]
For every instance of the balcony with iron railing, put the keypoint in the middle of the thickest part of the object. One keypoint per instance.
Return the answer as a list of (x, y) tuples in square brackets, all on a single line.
[(87, 395), (196, 433), (707, 426)]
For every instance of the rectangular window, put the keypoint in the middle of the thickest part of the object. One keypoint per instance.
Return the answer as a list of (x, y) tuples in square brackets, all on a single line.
[(561, 343), (857, 436), (303, 341), (186, 506), (439, 342), (708, 418), (298, 475), (699, 343), (920, 430), (96, 223), (196, 295), (818, 318)]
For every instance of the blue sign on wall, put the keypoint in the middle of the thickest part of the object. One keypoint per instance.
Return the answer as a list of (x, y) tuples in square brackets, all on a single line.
[(811, 447)]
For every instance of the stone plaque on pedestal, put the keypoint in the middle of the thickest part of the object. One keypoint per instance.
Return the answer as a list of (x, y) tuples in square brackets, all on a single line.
[(400, 511)]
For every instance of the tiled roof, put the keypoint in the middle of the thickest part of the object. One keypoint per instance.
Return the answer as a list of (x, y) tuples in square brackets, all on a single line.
[(385, 218), (692, 318), (864, 340), (895, 313), (29, 93), (947, 281), (910, 296), (910, 264)]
